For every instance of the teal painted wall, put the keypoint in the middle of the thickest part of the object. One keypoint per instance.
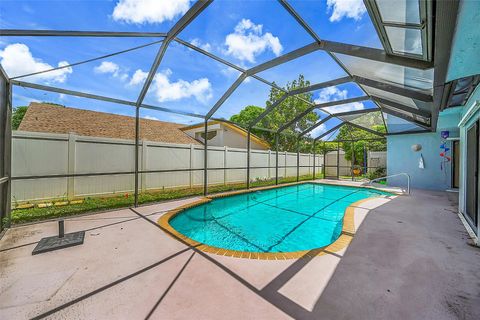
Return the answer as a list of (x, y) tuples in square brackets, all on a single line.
[(401, 158), (465, 54)]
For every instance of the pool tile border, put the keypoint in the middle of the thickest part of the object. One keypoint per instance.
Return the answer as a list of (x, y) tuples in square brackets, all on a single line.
[(346, 236)]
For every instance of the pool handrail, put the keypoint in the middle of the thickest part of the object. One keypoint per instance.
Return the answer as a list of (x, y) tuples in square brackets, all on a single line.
[(391, 176)]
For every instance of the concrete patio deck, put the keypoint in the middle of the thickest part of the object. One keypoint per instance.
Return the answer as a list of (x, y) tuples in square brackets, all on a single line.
[(409, 259)]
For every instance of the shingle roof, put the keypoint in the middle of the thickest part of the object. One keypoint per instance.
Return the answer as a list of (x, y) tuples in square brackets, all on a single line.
[(42, 117)]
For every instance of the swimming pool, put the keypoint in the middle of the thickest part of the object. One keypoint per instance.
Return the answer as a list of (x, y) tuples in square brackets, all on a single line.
[(285, 219)]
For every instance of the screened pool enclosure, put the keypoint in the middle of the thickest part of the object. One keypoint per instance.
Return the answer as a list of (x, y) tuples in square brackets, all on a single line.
[(400, 83)]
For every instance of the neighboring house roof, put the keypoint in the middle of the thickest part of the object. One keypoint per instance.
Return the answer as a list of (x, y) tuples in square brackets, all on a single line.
[(232, 126), (43, 117)]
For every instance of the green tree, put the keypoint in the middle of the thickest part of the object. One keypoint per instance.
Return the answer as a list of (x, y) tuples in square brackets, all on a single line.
[(17, 116), (282, 114), (346, 132), (247, 115)]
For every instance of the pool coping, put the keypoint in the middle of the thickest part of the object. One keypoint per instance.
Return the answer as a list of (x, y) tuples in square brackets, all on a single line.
[(346, 235)]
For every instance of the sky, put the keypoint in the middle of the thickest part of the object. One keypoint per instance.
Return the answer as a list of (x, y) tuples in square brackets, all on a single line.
[(245, 33)]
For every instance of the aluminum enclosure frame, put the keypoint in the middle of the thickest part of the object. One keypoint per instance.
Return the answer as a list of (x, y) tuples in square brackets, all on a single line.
[(445, 20)]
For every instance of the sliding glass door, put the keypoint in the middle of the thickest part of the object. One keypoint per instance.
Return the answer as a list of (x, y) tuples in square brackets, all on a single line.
[(5, 142), (472, 182)]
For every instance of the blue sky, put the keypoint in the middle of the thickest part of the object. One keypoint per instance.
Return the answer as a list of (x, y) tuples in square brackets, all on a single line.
[(245, 33)]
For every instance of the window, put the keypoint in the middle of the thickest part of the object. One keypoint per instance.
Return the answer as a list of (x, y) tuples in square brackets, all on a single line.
[(210, 135)]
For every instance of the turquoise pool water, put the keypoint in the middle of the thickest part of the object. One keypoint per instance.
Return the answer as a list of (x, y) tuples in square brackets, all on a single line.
[(286, 219)]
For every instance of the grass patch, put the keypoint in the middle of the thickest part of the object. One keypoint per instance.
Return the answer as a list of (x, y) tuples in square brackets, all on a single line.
[(92, 204)]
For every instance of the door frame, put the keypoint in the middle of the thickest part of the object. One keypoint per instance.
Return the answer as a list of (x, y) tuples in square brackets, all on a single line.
[(475, 222), (456, 147)]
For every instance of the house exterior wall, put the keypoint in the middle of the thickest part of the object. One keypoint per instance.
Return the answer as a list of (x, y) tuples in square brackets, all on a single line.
[(464, 60), (401, 158), (226, 136)]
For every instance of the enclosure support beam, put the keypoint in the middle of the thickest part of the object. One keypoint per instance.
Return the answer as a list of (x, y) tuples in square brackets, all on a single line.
[(319, 106), (298, 158), (248, 158), (338, 160), (330, 131), (276, 159), (6, 152), (137, 140), (205, 159), (353, 159), (188, 17), (63, 33), (386, 109), (408, 132), (117, 101), (231, 65), (299, 91), (393, 89), (309, 48), (354, 112), (354, 50), (366, 129), (225, 96), (324, 161), (315, 125), (314, 155), (184, 21), (267, 110), (101, 98), (399, 106), (321, 85)]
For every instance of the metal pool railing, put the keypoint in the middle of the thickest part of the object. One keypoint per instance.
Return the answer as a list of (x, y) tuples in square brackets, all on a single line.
[(391, 176)]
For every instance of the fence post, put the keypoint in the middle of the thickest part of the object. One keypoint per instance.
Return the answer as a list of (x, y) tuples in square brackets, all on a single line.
[(144, 166), (309, 163), (353, 160), (298, 158), (205, 159), (276, 158), (192, 164), (225, 165), (338, 160), (137, 140), (71, 165), (314, 159), (248, 159), (269, 164), (285, 172)]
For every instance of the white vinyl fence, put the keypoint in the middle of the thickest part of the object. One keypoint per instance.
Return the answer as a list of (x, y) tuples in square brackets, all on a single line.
[(46, 154), (40, 154)]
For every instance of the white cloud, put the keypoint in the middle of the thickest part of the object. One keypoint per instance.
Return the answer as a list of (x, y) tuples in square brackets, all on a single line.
[(247, 41), (354, 9), (18, 60), (331, 94), (108, 67), (345, 107), (166, 90), (138, 77), (335, 94), (198, 43), (149, 11)]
